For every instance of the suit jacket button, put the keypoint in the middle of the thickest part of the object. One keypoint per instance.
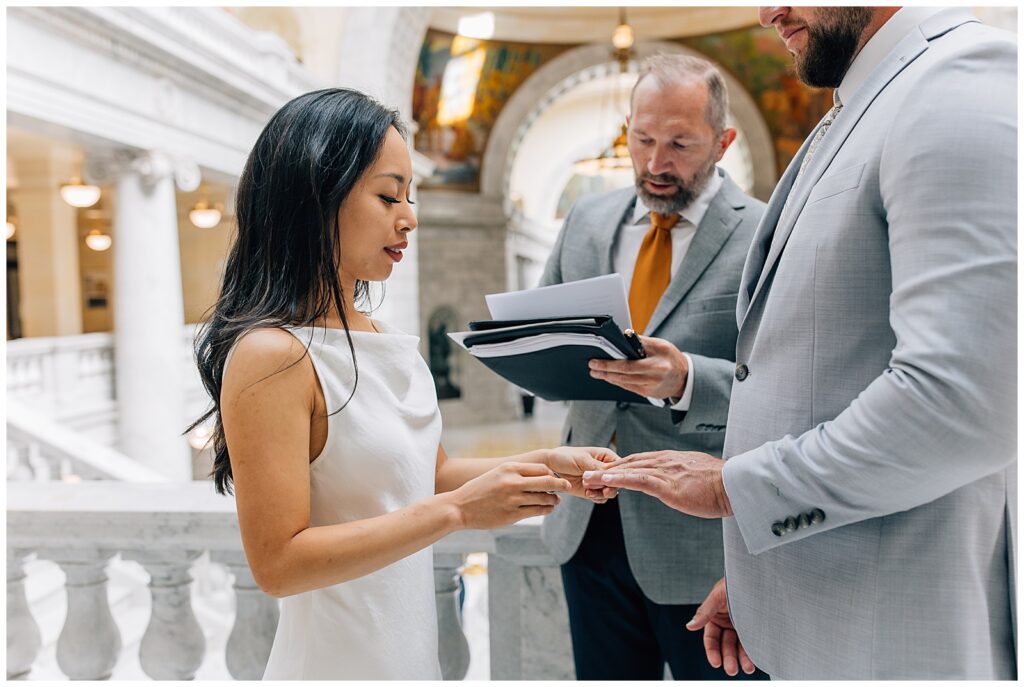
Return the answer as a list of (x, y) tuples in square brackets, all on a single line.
[(817, 516), (803, 521), (778, 529), (741, 372), (790, 524), (621, 405)]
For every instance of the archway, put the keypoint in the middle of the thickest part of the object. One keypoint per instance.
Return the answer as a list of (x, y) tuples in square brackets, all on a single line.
[(577, 66)]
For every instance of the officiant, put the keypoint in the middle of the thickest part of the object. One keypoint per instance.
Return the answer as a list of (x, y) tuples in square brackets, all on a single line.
[(634, 569)]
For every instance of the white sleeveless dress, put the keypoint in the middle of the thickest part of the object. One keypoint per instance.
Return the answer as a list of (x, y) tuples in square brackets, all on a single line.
[(379, 457)]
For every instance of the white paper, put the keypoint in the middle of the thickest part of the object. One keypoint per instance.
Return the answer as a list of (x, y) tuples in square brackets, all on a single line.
[(604, 295), (460, 337), (541, 342)]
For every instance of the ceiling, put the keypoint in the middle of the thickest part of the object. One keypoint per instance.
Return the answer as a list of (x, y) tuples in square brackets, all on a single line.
[(589, 24)]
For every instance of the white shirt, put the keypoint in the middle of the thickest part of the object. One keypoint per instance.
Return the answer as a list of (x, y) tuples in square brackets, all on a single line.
[(631, 235), (879, 46)]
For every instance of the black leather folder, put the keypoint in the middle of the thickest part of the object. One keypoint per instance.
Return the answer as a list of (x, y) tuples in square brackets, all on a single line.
[(560, 373)]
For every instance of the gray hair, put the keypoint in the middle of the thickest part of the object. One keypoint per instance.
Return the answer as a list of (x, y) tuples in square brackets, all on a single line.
[(675, 68)]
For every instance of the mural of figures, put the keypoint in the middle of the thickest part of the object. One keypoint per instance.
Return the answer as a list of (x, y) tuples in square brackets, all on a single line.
[(442, 363), (461, 85)]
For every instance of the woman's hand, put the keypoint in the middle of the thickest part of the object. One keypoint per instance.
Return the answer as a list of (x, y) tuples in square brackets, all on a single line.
[(571, 462), (506, 494)]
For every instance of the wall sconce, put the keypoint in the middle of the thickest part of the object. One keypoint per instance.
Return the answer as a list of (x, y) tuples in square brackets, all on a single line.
[(79, 195)]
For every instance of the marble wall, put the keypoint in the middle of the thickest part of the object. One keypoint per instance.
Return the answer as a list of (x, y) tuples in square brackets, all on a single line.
[(462, 257)]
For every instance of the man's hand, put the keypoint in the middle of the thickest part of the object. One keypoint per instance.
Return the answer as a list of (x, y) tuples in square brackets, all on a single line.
[(570, 462), (721, 643), (662, 374), (687, 481)]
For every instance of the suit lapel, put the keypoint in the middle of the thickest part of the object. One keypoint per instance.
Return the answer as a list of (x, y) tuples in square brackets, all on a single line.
[(715, 228), (604, 241), (905, 53), (762, 240)]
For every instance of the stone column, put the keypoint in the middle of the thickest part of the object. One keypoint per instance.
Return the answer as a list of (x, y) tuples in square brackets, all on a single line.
[(49, 279), (149, 355), (462, 258), (379, 47)]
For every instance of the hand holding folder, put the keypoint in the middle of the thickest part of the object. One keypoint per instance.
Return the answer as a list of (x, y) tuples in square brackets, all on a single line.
[(547, 347), (550, 358)]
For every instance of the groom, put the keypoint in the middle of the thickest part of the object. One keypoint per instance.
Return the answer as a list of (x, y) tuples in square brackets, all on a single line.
[(870, 485)]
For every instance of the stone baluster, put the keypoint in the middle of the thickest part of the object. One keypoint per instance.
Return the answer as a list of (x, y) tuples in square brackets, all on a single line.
[(256, 617), (23, 639), (173, 645), (18, 467), (452, 649), (42, 468), (90, 643), (529, 618)]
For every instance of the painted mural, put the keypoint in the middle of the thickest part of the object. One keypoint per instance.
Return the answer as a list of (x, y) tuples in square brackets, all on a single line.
[(462, 84), (759, 61)]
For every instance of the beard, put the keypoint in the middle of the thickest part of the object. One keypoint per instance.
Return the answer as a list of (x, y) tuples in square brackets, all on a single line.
[(831, 46), (686, 192)]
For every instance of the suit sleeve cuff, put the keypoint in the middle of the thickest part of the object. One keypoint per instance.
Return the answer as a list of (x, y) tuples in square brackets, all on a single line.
[(755, 505)]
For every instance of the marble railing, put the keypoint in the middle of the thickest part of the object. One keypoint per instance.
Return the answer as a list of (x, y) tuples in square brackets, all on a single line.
[(50, 371), (40, 450), (166, 526), (70, 379)]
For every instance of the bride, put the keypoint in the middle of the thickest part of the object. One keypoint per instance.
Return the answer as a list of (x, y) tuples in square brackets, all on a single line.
[(326, 421)]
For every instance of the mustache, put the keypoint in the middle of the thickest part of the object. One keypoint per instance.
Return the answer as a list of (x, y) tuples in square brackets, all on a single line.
[(662, 179)]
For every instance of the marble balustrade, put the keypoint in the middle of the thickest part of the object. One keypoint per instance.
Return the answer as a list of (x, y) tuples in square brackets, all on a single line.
[(70, 380), (165, 526)]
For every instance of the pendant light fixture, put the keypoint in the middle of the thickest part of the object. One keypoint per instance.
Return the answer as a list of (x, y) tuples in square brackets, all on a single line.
[(79, 195), (615, 157), (205, 216), (12, 221), (98, 241)]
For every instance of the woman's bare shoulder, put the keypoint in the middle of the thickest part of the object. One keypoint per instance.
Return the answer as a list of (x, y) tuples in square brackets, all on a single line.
[(267, 353)]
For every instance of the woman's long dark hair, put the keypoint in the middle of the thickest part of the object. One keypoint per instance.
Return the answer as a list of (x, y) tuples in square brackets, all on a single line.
[(282, 269)]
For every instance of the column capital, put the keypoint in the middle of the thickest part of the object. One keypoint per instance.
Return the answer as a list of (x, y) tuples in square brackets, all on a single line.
[(151, 166)]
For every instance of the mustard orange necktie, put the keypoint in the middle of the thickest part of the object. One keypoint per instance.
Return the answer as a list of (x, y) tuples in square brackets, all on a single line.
[(653, 270)]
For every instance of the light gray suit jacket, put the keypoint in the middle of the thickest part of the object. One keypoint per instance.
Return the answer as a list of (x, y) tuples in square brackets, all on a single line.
[(878, 335), (674, 557)]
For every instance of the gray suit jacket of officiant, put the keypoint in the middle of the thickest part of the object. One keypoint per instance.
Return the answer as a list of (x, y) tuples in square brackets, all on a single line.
[(675, 558)]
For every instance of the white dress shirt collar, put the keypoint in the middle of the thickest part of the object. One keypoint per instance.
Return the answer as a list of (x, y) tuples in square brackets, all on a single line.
[(693, 213), (880, 45)]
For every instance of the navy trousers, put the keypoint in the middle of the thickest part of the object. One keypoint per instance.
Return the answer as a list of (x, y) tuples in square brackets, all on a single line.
[(617, 632)]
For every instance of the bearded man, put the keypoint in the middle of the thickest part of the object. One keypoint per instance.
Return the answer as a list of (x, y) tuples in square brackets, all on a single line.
[(869, 486), (634, 569)]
